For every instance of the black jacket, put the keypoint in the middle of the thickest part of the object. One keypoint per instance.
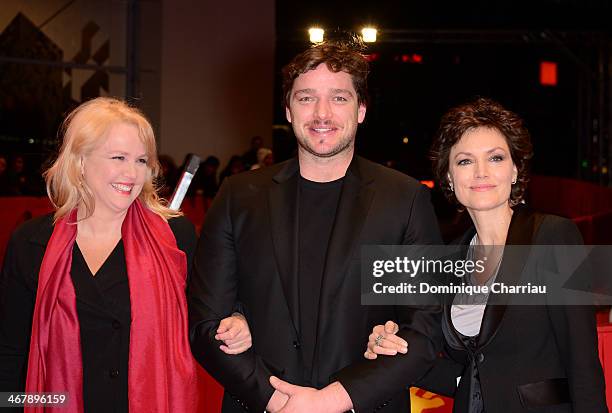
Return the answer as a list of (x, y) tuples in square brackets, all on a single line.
[(248, 254), (529, 358), (111, 327)]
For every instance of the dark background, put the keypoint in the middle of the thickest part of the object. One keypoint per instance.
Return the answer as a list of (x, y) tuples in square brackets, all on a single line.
[(462, 49), (470, 49)]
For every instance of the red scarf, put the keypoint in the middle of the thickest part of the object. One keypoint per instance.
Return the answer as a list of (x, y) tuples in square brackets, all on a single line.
[(162, 372)]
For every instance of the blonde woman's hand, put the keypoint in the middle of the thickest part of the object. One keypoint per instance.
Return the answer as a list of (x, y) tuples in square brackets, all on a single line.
[(235, 334), (383, 340)]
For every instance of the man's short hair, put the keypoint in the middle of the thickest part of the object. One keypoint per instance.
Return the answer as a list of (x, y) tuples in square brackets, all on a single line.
[(339, 56)]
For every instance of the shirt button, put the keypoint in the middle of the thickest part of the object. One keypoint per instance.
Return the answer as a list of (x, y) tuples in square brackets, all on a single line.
[(296, 344), (116, 325), (113, 373), (480, 357)]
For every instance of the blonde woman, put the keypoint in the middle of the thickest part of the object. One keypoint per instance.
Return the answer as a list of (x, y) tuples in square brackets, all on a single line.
[(92, 297)]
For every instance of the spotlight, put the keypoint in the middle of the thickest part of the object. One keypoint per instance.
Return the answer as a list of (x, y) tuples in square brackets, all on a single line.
[(316, 34), (368, 34)]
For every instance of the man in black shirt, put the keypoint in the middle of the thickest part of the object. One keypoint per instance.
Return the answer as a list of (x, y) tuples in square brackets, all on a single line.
[(282, 244)]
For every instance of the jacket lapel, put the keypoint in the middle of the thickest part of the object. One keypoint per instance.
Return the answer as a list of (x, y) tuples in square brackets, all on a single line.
[(523, 228), (353, 207), (283, 218)]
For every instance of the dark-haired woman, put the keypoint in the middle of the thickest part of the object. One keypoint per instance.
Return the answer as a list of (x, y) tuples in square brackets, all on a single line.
[(500, 358)]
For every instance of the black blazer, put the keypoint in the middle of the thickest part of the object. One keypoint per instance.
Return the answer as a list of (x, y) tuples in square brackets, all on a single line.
[(247, 255), (18, 285), (529, 358)]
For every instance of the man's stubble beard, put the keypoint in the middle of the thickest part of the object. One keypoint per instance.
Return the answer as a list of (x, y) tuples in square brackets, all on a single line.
[(345, 144)]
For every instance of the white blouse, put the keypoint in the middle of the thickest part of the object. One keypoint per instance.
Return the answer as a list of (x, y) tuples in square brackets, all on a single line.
[(467, 318)]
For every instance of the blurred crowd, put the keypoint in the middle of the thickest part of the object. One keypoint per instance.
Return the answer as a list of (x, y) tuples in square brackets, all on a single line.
[(21, 176), (207, 180)]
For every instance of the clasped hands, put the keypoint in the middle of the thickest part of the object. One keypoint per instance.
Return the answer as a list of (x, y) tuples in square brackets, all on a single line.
[(289, 398)]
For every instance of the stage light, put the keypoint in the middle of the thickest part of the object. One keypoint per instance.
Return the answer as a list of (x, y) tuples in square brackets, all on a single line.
[(372, 57), (604, 170), (405, 140), (368, 34), (410, 58), (316, 34)]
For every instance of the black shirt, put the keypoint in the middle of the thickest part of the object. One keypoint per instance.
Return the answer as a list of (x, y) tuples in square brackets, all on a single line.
[(318, 202), (103, 310)]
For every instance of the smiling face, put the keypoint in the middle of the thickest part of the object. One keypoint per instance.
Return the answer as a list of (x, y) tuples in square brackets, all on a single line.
[(324, 112), (481, 170), (116, 170)]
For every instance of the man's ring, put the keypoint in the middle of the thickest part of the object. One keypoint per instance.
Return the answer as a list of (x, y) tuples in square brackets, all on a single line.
[(378, 340)]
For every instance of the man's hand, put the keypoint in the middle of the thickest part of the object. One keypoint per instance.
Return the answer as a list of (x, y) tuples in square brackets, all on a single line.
[(276, 402), (235, 334), (331, 399)]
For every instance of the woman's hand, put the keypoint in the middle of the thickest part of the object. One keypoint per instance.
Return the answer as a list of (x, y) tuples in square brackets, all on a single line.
[(383, 340), (235, 334)]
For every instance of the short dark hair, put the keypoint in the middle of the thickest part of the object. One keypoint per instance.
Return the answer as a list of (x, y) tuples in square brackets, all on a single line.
[(482, 113), (211, 160), (339, 56)]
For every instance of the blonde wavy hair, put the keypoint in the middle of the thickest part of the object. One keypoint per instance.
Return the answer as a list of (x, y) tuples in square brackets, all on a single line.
[(85, 129)]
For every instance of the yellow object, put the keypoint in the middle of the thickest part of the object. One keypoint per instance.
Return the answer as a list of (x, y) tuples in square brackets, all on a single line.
[(421, 401)]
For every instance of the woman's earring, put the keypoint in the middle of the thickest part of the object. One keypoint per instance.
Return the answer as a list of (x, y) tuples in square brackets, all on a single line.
[(450, 185), (82, 177), (514, 181)]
